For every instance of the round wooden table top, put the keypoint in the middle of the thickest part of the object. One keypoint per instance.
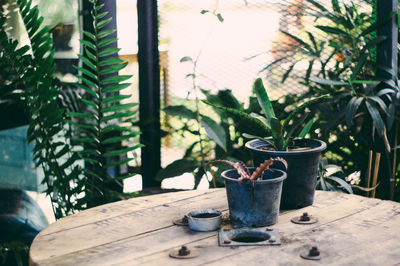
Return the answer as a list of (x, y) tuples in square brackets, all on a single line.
[(139, 231)]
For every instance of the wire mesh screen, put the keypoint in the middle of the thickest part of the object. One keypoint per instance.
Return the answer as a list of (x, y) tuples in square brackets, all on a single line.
[(234, 42), (217, 44)]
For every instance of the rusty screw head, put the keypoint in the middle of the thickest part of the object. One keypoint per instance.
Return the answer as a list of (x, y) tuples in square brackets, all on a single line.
[(311, 254), (305, 217), (184, 251), (314, 252)]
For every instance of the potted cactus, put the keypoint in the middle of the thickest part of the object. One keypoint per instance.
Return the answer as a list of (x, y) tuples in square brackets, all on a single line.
[(253, 193), (301, 154)]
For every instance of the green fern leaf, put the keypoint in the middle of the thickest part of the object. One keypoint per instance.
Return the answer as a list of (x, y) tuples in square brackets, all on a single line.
[(106, 42), (87, 62), (120, 107), (114, 79), (104, 33), (86, 72), (88, 44), (111, 61), (119, 139), (109, 51), (89, 103), (118, 163), (116, 87), (122, 151), (116, 98), (90, 35), (118, 116)]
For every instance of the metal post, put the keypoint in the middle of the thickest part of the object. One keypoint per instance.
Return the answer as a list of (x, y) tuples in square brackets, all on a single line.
[(149, 90), (387, 57), (387, 50)]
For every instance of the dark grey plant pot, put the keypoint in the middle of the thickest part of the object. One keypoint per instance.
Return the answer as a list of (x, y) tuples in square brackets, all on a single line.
[(254, 203), (299, 188)]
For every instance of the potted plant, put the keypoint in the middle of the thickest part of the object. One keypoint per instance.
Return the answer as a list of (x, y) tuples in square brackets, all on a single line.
[(301, 154), (253, 194)]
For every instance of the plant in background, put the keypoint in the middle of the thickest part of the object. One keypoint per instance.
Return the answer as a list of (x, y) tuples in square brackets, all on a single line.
[(63, 139), (13, 253), (37, 92), (222, 138), (340, 53), (105, 122), (329, 178), (198, 152), (281, 135), (209, 136), (244, 172)]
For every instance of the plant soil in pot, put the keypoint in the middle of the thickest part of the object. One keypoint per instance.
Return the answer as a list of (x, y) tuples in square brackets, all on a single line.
[(204, 220), (303, 162), (254, 202)]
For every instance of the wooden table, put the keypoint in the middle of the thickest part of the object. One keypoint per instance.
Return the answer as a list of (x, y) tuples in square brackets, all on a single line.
[(351, 230)]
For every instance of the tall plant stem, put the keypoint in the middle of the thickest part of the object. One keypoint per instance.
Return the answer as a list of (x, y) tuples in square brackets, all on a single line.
[(198, 119), (195, 87)]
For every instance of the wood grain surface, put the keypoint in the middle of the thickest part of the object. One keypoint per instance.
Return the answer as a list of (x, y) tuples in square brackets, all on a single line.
[(351, 230)]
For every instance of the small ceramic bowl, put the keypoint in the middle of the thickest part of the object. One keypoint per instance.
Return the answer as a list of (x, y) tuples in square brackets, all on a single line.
[(204, 220)]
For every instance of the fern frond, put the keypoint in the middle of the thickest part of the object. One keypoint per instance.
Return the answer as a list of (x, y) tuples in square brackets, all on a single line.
[(41, 100), (104, 116)]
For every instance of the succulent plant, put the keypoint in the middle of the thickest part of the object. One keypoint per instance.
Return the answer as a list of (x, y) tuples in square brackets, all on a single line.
[(244, 172)]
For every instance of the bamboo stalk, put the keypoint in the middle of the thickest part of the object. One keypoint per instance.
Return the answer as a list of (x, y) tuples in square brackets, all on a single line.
[(376, 171), (370, 154)]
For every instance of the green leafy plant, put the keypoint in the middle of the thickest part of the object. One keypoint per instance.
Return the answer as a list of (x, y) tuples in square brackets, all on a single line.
[(35, 73), (340, 51), (341, 60), (244, 172), (63, 139), (332, 181), (14, 253), (218, 126), (101, 125), (281, 135)]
